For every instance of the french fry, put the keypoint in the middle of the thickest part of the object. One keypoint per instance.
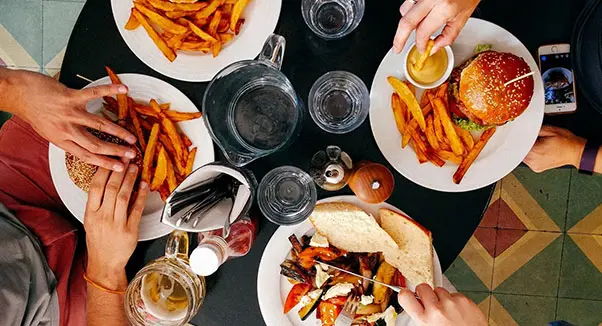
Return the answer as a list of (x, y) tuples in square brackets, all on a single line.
[(224, 25), (237, 10), (149, 153), (145, 110), (226, 37), (439, 129), (448, 127), (209, 10), (185, 140), (164, 5), (172, 183), (420, 155), (423, 56), (161, 169), (216, 48), (132, 23), (424, 100), (111, 105), (214, 23), (164, 192), (159, 42), (202, 34), (226, 8), (449, 156), (430, 134), (136, 123), (122, 100), (179, 165), (175, 41), (442, 92), (170, 129), (472, 155), (165, 23), (195, 46), (165, 106), (180, 13), (409, 99), (239, 24), (466, 137), (190, 161), (400, 120)]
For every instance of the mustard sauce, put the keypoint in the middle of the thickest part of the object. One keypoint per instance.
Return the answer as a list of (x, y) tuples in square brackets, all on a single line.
[(434, 67)]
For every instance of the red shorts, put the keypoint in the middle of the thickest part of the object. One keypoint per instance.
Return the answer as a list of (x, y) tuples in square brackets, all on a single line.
[(27, 191)]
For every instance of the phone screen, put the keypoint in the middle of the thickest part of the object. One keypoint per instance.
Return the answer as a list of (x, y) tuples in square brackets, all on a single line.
[(557, 75)]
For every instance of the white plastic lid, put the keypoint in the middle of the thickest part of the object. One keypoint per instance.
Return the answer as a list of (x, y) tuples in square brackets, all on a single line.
[(205, 260)]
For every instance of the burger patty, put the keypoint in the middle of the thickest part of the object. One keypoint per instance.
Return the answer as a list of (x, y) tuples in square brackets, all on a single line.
[(454, 90)]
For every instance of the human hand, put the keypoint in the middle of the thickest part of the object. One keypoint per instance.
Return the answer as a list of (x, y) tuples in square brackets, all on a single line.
[(59, 115), (112, 232), (441, 308), (554, 148), (427, 16)]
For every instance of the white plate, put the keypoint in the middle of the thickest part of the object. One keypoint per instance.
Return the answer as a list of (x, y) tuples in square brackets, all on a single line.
[(273, 288), (260, 17), (144, 88), (505, 150)]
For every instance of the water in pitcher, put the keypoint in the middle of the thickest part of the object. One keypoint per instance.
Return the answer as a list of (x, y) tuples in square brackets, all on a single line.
[(264, 117)]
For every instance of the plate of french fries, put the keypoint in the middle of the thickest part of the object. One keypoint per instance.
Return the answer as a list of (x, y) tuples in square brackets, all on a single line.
[(416, 132), (172, 140), (193, 40)]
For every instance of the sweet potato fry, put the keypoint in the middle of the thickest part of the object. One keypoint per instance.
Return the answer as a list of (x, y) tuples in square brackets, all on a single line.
[(180, 13), (420, 155), (214, 23), (226, 8), (216, 48), (439, 129), (449, 156), (195, 46), (165, 106), (226, 37), (424, 100), (466, 137), (132, 23), (111, 105), (165, 23), (202, 34), (161, 169), (400, 120), (239, 24), (210, 9), (409, 99), (159, 42), (448, 127), (136, 123), (237, 10), (145, 110), (185, 140), (224, 25), (472, 155), (164, 192), (172, 183), (442, 92), (170, 129), (122, 100), (190, 161), (175, 41), (430, 134), (164, 5), (149, 153)]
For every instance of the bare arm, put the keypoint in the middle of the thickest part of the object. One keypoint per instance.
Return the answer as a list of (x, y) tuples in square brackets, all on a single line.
[(106, 308)]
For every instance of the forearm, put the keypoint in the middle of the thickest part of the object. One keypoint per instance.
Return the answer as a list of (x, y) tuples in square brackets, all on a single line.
[(106, 308)]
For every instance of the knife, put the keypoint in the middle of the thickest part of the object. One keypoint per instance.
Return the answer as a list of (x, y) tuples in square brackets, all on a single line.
[(392, 287)]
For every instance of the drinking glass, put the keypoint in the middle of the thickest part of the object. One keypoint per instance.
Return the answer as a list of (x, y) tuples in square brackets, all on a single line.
[(286, 195), (339, 102), (332, 19)]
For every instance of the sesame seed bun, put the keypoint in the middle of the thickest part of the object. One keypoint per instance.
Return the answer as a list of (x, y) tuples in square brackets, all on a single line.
[(477, 88)]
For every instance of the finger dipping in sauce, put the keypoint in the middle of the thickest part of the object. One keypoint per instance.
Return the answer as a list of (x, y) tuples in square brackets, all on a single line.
[(434, 66)]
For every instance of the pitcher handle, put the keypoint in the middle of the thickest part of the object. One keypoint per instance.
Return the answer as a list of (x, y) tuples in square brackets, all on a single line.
[(273, 50), (177, 245)]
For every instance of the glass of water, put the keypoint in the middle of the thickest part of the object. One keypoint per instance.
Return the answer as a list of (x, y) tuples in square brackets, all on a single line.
[(339, 102), (286, 195), (332, 19)]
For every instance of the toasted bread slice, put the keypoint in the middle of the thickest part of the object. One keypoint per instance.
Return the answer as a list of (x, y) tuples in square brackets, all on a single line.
[(349, 228), (414, 257)]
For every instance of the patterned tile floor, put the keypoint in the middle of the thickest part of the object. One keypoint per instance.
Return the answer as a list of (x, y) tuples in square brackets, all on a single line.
[(535, 258)]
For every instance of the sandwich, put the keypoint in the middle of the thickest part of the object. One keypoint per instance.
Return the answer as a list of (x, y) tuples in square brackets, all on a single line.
[(405, 244), (478, 96), (81, 173)]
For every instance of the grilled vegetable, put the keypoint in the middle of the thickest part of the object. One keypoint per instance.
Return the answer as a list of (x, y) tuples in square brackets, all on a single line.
[(294, 296), (370, 309), (384, 274), (328, 313), (367, 264), (345, 278), (310, 307), (289, 269), (307, 256), (297, 247)]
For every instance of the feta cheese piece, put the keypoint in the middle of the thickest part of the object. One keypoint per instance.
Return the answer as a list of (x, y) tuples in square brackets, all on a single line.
[(305, 300), (389, 315), (318, 240), (366, 300), (339, 290), (314, 294), (321, 276)]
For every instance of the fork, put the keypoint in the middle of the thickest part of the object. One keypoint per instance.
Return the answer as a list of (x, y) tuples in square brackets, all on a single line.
[(347, 316)]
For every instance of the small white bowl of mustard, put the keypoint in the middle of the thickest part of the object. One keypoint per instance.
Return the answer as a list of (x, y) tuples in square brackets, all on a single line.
[(437, 68)]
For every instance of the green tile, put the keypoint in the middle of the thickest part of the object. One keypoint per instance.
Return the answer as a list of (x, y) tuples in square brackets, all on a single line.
[(550, 189), (463, 278), (476, 297), (528, 310), (579, 312), (539, 276), (59, 19), (585, 196), (579, 277)]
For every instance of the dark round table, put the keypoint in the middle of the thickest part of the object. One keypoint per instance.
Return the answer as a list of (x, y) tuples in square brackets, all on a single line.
[(231, 292)]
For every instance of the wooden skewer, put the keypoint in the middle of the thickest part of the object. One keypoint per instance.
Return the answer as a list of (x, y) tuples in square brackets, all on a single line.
[(519, 78), (84, 78)]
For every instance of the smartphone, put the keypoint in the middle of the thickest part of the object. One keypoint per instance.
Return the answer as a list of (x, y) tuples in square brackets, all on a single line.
[(558, 79)]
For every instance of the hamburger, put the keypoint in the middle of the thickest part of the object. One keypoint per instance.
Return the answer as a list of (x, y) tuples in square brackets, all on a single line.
[(477, 95), (81, 173)]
